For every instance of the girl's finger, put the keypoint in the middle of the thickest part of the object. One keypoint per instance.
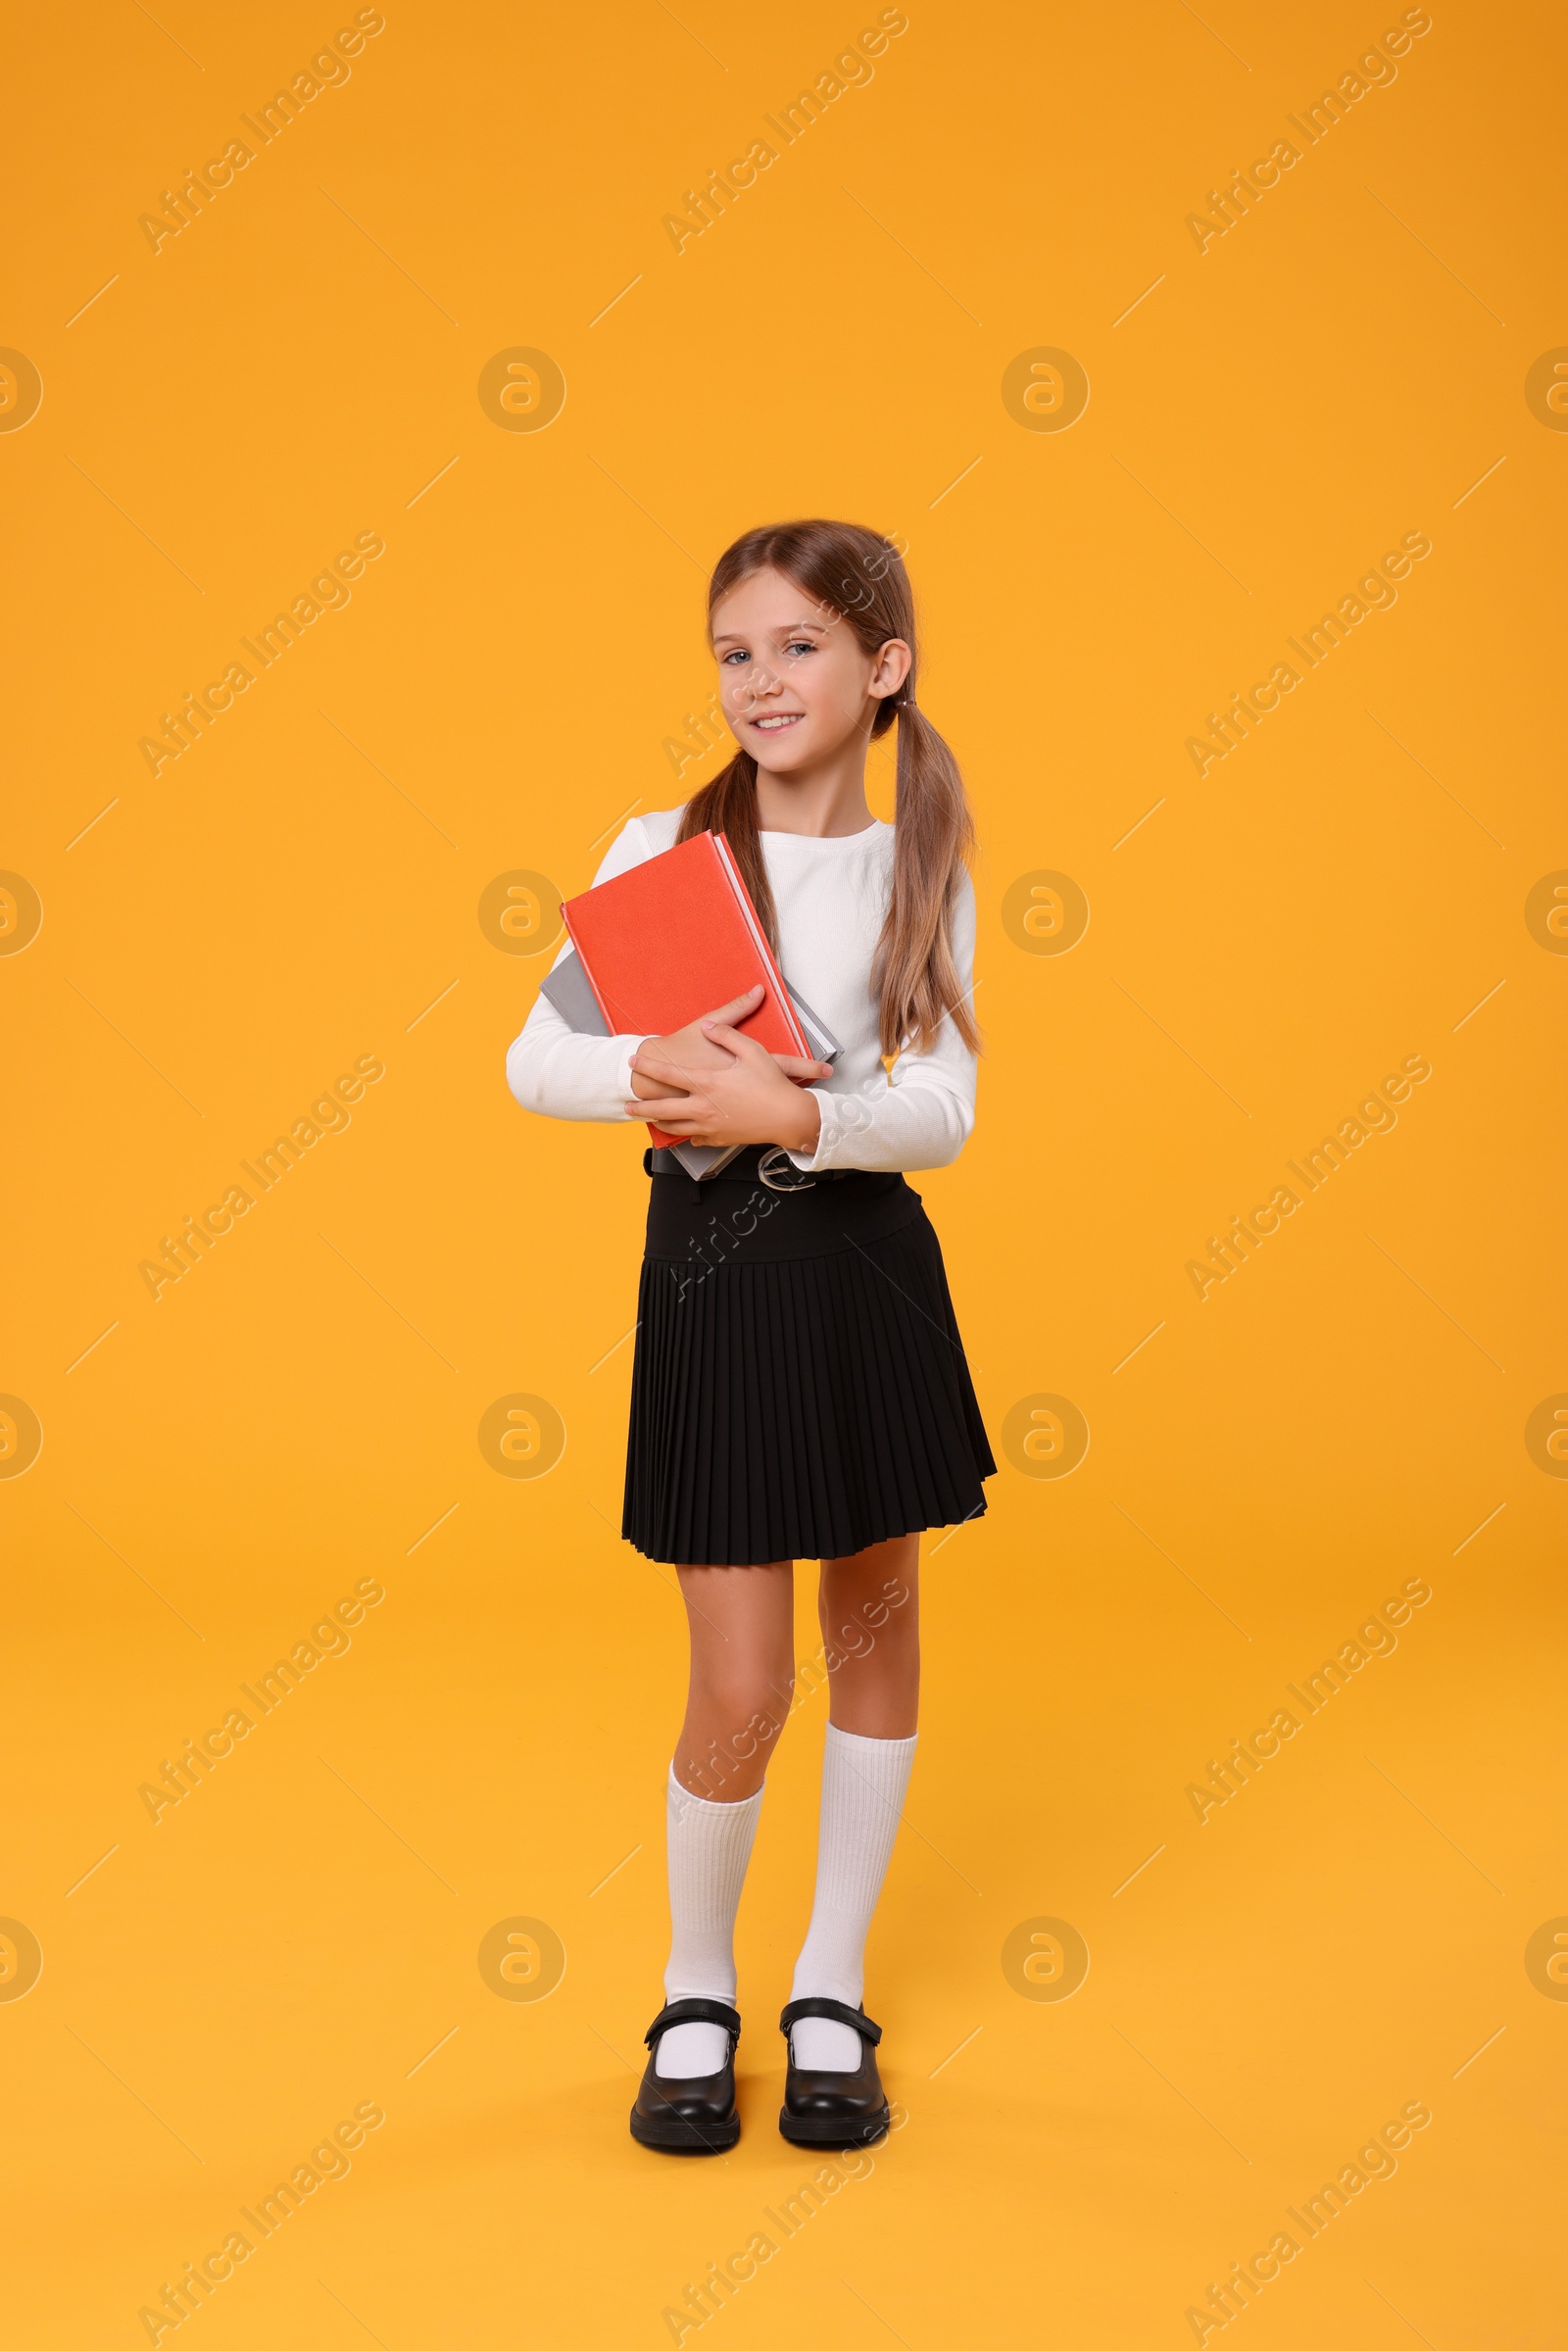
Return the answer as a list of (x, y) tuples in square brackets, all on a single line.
[(671, 1123), (666, 1110), (794, 1068), (743, 1048), (737, 1007)]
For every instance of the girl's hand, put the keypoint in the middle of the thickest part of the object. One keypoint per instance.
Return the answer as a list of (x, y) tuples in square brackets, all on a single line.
[(746, 1097), (654, 1069)]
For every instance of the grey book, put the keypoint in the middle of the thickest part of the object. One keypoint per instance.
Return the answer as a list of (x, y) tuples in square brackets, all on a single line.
[(567, 989)]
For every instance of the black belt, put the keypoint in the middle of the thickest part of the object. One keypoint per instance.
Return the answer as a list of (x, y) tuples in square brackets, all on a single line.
[(778, 1174)]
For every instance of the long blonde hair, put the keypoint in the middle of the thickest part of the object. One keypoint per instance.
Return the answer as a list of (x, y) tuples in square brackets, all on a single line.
[(859, 577)]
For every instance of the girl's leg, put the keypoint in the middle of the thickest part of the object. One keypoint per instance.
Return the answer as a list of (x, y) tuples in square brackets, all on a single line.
[(742, 1672), (741, 1621), (868, 1607)]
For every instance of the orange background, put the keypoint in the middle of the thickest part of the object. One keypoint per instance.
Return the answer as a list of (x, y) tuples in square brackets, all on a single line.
[(301, 889)]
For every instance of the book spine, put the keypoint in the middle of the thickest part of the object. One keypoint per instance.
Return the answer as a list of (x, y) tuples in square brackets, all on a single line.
[(565, 916), (781, 995)]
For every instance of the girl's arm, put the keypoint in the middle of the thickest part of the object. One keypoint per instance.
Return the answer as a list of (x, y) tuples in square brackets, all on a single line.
[(553, 1070), (923, 1115)]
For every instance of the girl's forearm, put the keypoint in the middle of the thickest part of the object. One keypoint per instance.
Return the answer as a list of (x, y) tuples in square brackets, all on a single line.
[(558, 1074), (920, 1122)]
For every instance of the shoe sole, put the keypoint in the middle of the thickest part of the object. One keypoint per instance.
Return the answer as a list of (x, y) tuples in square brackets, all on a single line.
[(825, 2130), (676, 2137)]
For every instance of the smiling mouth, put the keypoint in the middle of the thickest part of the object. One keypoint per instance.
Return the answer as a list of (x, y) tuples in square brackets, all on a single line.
[(776, 724)]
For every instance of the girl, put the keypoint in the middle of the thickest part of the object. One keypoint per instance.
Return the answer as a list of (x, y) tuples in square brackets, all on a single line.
[(798, 1389)]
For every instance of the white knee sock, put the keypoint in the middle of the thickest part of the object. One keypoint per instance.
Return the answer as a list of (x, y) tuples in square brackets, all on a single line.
[(863, 1785), (708, 1846)]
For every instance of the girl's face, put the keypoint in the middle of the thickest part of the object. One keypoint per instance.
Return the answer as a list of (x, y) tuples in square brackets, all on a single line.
[(795, 680)]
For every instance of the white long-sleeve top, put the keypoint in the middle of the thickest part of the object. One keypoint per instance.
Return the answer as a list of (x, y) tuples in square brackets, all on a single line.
[(831, 897)]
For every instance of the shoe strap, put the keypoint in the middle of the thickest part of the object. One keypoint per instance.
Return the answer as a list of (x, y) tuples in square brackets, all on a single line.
[(696, 2012), (839, 2013)]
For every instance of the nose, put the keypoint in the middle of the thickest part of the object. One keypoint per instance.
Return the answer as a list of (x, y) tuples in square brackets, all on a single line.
[(758, 683)]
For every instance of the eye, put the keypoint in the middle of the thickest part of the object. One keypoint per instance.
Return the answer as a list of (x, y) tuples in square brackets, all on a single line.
[(738, 655), (800, 645)]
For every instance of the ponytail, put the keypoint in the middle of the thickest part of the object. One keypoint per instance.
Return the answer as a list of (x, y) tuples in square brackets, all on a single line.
[(914, 976)]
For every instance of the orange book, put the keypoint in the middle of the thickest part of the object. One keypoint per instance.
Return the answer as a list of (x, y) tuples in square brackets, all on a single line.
[(674, 938)]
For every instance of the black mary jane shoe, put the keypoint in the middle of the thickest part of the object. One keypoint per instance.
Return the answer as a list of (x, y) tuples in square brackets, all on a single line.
[(833, 2110), (694, 2115)]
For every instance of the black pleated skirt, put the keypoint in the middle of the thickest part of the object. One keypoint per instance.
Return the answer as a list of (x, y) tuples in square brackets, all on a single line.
[(799, 1388)]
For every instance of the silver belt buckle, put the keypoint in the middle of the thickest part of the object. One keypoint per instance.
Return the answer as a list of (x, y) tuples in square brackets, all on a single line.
[(777, 1152)]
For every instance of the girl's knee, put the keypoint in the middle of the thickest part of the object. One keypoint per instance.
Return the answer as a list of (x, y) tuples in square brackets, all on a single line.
[(746, 1711), (861, 1614), (729, 1750)]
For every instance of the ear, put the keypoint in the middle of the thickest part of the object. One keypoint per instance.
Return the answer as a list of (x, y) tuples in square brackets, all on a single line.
[(890, 666)]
